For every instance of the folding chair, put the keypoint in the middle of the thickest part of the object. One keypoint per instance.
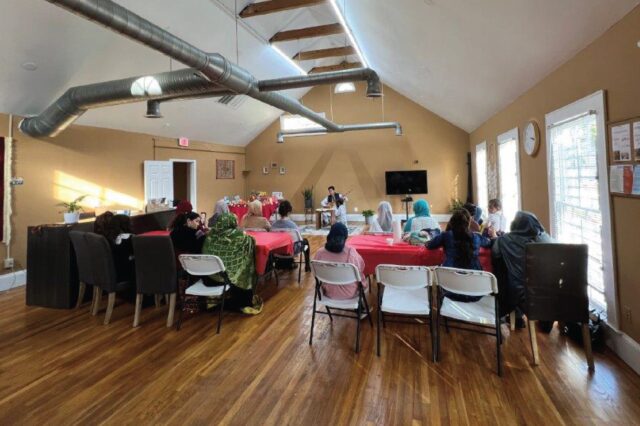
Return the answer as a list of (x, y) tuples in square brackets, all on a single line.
[(404, 291), (338, 274), (480, 315), (298, 250)]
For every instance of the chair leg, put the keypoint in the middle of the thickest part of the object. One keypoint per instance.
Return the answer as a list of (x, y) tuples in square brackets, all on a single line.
[(378, 324), (358, 312), (220, 314), (81, 291), (534, 341), (172, 309), (313, 315), (111, 302), (329, 312), (136, 316), (512, 320), (586, 341), (156, 299), (498, 337), (97, 297), (366, 306), (300, 266)]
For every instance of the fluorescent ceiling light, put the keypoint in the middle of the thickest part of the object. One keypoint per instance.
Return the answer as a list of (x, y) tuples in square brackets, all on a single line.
[(343, 21), (291, 61), (346, 87)]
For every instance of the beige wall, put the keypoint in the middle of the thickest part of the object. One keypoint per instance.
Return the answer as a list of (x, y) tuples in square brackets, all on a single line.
[(611, 63), (107, 163), (356, 161)]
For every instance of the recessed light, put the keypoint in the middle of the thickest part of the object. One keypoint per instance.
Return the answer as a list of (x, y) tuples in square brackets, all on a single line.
[(30, 66)]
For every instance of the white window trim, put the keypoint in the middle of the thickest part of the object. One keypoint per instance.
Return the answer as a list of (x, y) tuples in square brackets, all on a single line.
[(502, 138), (593, 102), (482, 146), (193, 180)]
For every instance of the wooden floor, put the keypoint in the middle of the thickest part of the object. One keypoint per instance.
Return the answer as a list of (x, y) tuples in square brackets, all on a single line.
[(65, 367)]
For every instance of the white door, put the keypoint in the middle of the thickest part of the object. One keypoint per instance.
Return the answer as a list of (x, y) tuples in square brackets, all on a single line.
[(158, 180), (578, 191)]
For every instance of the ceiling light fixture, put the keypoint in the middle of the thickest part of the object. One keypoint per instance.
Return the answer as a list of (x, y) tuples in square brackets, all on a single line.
[(343, 21), (30, 66), (291, 61), (345, 87)]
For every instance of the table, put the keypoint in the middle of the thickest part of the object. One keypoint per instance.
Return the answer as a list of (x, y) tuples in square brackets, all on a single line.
[(266, 243), (319, 213), (375, 250), (241, 209)]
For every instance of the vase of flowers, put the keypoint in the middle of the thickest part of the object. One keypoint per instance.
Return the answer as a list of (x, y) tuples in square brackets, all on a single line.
[(72, 210)]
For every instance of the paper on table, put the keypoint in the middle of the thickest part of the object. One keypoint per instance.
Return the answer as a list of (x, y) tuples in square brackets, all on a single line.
[(636, 180), (636, 139), (621, 142)]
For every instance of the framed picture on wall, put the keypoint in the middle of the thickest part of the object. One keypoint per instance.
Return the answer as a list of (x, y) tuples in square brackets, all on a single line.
[(283, 170), (274, 165), (265, 170), (225, 169)]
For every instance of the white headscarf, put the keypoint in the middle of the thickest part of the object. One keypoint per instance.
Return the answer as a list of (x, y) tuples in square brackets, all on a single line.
[(385, 216)]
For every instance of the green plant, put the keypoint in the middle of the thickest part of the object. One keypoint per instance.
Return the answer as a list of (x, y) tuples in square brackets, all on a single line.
[(73, 206), (307, 193), (367, 213), (455, 204)]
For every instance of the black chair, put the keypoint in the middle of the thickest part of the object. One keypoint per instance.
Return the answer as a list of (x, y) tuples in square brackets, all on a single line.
[(156, 272), (83, 259), (557, 287), (103, 273), (299, 248)]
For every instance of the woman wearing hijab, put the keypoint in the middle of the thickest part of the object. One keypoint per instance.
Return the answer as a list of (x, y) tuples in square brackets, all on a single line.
[(236, 249), (383, 221), (254, 219), (220, 208), (509, 258), (422, 218), (336, 251)]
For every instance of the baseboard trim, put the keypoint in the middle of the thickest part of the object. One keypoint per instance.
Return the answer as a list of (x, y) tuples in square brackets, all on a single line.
[(13, 280), (624, 346)]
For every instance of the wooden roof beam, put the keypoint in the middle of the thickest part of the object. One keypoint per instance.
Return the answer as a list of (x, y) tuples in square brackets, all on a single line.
[(325, 53), (273, 6), (310, 32), (337, 67)]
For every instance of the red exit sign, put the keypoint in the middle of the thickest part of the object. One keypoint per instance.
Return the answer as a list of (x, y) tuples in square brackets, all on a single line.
[(184, 142)]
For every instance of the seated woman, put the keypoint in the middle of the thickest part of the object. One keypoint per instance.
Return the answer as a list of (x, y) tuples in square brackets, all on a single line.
[(508, 254), (254, 219), (383, 221), (284, 210), (422, 218), (220, 208), (187, 236), (117, 230), (336, 251), (237, 251), (182, 208)]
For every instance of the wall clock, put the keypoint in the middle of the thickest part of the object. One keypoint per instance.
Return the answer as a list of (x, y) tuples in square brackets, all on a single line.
[(531, 140)]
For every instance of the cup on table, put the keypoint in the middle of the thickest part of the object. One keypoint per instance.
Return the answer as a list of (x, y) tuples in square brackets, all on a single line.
[(390, 241)]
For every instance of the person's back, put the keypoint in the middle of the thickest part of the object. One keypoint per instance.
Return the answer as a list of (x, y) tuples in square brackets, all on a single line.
[(383, 220), (284, 223), (254, 219), (186, 236), (461, 246), (426, 222)]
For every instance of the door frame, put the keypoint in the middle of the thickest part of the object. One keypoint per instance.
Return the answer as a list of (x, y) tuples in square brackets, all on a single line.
[(193, 183), (593, 103)]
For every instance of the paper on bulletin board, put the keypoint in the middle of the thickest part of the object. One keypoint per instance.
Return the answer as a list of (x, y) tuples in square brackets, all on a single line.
[(621, 179), (636, 139), (621, 142), (636, 180)]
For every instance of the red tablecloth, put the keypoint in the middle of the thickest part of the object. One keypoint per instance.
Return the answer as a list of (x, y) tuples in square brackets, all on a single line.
[(375, 250), (266, 242), (240, 211)]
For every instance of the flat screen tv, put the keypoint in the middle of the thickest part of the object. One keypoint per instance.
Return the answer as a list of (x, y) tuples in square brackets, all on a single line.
[(406, 182)]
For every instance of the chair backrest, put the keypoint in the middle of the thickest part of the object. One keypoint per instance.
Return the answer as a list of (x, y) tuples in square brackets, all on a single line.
[(335, 273), (557, 282), (295, 233), (83, 257), (156, 271), (403, 277), (102, 266), (201, 264), (466, 281)]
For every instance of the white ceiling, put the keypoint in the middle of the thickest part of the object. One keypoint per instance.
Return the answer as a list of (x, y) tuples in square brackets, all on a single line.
[(462, 59)]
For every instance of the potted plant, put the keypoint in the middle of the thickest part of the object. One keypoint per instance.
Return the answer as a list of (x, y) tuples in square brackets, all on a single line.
[(73, 209), (307, 193), (455, 204), (367, 215)]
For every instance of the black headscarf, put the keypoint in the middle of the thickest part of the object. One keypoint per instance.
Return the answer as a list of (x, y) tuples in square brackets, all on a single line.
[(337, 238)]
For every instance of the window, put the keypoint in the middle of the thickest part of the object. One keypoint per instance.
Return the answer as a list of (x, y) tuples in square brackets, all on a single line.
[(509, 173), (297, 123), (578, 198), (481, 175)]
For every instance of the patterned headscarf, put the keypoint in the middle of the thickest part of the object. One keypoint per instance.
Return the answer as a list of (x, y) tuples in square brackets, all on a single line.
[(235, 248)]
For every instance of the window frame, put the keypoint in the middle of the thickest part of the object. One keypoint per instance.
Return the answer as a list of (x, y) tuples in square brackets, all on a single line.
[(482, 146), (513, 134)]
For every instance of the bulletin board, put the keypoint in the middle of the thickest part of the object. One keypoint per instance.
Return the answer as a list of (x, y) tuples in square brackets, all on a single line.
[(623, 145)]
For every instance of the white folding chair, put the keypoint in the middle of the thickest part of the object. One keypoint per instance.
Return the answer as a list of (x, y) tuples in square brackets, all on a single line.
[(201, 265), (481, 315), (404, 291), (299, 249), (338, 274)]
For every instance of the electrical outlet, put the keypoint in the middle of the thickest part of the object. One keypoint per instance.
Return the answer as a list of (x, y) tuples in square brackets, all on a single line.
[(8, 263), (626, 311)]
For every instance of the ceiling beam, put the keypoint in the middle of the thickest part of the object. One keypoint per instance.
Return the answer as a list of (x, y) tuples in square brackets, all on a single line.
[(297, 34), (273, 6), (325, 53), (337, 67)]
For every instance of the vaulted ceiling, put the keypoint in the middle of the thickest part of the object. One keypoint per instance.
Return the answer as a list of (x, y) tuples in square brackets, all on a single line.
[(462, 59)]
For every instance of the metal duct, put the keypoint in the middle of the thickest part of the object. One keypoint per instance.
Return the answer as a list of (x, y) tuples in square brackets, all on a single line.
[(75, 101), (345, 128), (373, 81)]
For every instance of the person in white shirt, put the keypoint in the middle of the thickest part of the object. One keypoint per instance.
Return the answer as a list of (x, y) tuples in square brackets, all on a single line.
[(496, 219), (383, 221), (331, 201), (341, 211)]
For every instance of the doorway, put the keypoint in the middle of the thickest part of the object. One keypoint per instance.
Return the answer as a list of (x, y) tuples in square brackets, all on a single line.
[(184, 181)]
